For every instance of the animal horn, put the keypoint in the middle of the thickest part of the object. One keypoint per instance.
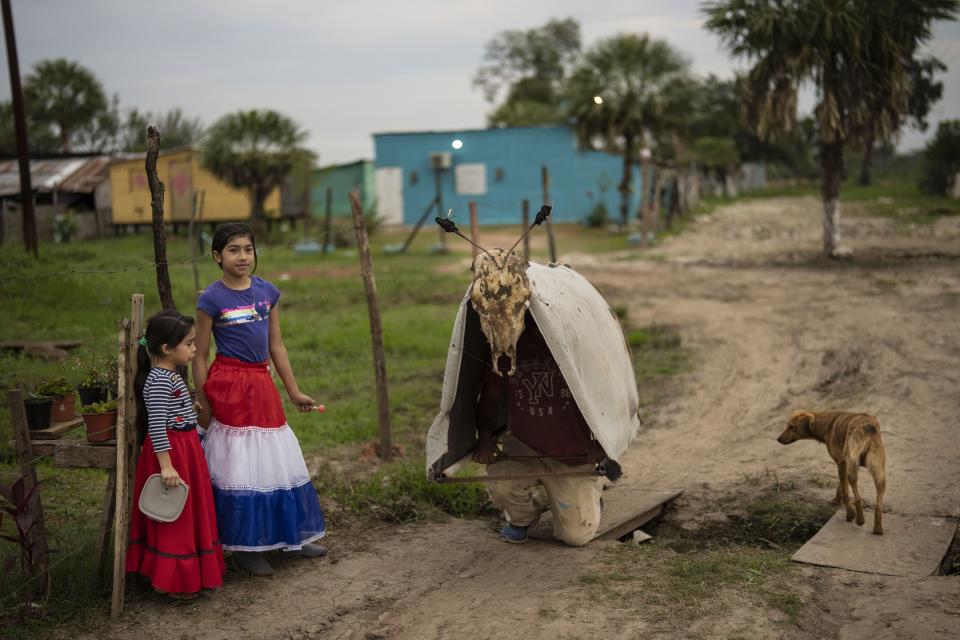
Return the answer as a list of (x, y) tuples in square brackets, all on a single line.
[(450, 226), (542, 215)]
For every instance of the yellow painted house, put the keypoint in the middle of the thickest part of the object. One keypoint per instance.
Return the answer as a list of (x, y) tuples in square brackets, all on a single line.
[(182, 175)]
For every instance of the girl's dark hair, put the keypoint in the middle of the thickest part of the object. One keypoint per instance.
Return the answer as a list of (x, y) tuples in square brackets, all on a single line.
[(168, 327), (226, 232)]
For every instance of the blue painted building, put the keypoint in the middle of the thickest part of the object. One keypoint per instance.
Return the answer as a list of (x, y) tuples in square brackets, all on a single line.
[(497, 168)]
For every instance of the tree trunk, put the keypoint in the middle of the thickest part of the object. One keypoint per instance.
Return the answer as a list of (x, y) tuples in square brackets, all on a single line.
[(866, 163), (64, 139), (627, 179), (831, 160), (258, 196)]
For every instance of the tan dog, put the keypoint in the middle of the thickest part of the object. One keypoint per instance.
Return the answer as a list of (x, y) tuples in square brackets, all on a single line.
[(853, 440)]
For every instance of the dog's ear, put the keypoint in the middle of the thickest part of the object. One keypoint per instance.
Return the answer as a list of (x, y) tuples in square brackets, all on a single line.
[(804, 418)]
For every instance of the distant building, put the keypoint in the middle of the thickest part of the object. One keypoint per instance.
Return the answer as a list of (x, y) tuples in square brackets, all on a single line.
[(341, 179), (497, 168), (182, 174), (78, 185)]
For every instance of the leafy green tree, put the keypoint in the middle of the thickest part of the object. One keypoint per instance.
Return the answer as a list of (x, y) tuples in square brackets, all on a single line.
[(942, 159), (255, 150), (65, 95), (40, 139), (853, 51), (925, 91), (530, 67), (176, 128), (628, 90)]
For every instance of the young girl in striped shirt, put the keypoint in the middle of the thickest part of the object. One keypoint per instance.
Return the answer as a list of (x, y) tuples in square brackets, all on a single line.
[(263, 493), (182, 557)]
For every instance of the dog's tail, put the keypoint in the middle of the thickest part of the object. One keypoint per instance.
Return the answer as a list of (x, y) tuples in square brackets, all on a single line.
[(862, 448)]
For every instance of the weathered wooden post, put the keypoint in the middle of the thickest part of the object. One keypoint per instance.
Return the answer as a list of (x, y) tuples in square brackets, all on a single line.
[(376, 330), (644, 195), (328, 221), (526, 225), (474, 232), (545, 179), (130, 330), (40, 569), (156, 206)]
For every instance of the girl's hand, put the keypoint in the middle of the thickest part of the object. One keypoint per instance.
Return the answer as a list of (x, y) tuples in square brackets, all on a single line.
[(202, 407), (304, 402), (170, 477)]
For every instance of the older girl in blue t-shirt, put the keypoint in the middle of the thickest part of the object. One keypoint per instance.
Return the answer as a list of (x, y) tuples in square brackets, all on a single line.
[(262, 490)]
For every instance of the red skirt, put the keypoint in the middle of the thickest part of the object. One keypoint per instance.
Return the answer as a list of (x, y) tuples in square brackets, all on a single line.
[(242, 394), (182, 556)]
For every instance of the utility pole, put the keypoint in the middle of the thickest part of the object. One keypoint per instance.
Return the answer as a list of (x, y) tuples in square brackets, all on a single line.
[(20, 125)]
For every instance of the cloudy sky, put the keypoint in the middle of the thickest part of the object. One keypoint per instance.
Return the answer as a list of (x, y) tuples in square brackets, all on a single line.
[(344, 70)]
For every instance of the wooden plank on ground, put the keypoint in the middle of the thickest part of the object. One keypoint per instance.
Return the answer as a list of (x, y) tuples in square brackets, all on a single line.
[(56, 430), (909, 546), (625, 508), (84, 455)]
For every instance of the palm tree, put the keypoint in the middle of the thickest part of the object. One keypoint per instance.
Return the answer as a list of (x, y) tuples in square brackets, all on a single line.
[(65, 94), (621, 93), (255, 150), (856, 54)]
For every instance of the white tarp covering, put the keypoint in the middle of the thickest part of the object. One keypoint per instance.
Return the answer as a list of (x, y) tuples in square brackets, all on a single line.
[(584, 337)]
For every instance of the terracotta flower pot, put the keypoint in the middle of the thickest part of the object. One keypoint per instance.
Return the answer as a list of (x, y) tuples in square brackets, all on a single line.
[(64, 408), (100, 426)]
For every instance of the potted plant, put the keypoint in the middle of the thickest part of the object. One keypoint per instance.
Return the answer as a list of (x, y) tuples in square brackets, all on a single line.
[(100, 419), (93, 383), (64, 398), (38, 408)]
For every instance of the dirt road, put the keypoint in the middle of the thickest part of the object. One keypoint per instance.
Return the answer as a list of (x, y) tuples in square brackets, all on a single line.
[(771, 328)]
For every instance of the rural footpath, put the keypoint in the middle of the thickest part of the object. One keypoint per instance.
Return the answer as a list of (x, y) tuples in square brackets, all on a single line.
[(770, 326)]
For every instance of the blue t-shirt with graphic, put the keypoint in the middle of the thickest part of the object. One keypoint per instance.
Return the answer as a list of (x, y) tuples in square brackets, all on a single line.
[(241, 317)]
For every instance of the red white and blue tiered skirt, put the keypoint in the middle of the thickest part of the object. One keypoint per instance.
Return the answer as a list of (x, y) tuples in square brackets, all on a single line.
[(261, 488), (183, 556)]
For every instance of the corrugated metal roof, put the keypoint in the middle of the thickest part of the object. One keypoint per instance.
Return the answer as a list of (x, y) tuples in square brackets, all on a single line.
[(87, 177), (74, 175)]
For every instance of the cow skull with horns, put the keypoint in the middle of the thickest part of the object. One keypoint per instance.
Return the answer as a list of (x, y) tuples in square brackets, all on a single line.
[(500, 293)]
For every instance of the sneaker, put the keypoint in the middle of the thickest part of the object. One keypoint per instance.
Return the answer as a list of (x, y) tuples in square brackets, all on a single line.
[(514, 534), (253, 562), (311, 550)]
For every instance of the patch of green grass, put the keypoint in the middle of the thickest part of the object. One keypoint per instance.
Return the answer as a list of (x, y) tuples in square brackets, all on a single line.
[(400, 492), (654, 578), (703, 575), (789, 603), (784, 519), (658, 354)]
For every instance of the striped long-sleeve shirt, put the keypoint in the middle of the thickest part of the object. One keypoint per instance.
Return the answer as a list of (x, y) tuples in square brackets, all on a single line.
[(168, 406)]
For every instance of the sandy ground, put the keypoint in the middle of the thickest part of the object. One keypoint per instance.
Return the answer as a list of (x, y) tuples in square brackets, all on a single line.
[(772, 328)]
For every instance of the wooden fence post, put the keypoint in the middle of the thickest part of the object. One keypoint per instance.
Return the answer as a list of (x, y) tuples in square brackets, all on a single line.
[(328, 221), (38, 535), (376, 330), (545, 180), (474, 232), (526, 225), (126, 447)]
